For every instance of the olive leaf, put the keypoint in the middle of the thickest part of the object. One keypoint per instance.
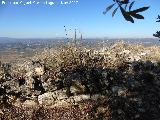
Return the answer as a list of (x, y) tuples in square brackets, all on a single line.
[(115, 11), (108, 8), (140, 10), (138, 16), (131, 5), (125, 6), (158, 18), (157, 34), (126, 15)]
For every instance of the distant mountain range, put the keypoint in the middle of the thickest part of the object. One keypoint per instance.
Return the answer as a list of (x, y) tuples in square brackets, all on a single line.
[(7, 40), (14, 40)]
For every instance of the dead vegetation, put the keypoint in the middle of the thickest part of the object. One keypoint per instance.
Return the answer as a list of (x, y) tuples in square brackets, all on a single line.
[(126, 75)]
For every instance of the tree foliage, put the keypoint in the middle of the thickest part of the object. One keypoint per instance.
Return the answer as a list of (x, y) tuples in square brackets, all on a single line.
[(125, 7), (157, 34), (128, 13)]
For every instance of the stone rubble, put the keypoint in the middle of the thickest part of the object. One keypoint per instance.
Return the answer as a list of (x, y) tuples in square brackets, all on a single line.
[(122, 81)]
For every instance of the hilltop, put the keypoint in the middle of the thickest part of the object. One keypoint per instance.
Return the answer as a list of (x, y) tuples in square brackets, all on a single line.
[(113, 82)]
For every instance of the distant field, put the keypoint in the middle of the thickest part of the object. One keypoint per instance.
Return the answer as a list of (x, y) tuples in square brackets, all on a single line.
[(12, 50)]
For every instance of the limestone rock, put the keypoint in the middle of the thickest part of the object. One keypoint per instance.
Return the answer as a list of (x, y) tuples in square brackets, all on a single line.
[(50, 97), (39, 71), (1, 112), (30, 103)]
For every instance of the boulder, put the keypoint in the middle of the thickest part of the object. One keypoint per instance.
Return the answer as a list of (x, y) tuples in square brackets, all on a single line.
[(39, 71), (49, 98), (73, 100), (30, 103)]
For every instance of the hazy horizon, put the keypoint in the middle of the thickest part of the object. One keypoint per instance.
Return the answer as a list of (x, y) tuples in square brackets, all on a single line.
[(1, 37), (46, 21)]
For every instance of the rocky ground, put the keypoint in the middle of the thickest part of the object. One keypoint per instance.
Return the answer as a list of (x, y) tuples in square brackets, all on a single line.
[(118, 82)]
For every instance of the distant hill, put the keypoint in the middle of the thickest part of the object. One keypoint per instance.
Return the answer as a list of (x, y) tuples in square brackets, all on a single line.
[(7, 40)]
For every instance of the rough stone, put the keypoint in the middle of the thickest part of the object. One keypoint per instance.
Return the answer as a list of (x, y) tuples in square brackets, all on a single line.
[(39, 71), (50, 97), (30, 103)]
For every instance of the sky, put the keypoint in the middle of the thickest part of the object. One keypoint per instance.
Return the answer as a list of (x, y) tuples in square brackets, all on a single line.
[(47, 21)]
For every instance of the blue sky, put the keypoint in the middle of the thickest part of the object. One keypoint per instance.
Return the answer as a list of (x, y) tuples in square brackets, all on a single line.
[(45, 21)]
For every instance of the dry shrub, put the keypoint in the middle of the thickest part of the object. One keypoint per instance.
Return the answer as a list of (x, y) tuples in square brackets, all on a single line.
[(127, 74)]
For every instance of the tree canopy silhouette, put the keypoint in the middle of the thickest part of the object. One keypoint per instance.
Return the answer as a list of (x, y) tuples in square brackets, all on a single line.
[(128, 13), (125, 7), (157, 34)]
